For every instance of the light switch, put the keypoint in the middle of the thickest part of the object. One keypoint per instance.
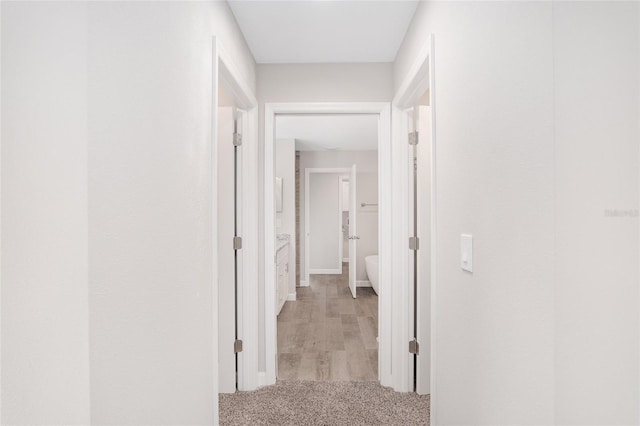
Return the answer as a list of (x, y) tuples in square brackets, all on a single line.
[(466, 252)]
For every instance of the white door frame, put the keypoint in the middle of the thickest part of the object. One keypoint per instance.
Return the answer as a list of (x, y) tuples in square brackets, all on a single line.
[(307, 223), (226, 72), (388, 371), (343, 179), (420, 77)]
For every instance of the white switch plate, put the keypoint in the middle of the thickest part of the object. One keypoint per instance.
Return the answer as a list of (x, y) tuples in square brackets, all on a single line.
[(466, 252)]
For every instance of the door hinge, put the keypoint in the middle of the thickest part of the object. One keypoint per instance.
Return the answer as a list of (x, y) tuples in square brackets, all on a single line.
[(237, 243), (237, 346), (413, 138), (237, 139), (414, 243), (414, 347)]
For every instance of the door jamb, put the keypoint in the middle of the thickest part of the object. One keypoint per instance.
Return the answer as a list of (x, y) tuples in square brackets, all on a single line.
[(420, 76), (383, 110), (343, 179), (225, 71)]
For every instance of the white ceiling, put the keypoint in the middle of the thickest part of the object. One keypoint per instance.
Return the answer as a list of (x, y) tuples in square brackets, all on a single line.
[(329, 132), (321, 31)]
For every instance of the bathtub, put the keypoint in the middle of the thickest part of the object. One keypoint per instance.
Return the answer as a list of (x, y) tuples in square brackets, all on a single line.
[(371, 266)]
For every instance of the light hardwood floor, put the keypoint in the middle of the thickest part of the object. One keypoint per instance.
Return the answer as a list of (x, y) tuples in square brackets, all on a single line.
[(326, 334)]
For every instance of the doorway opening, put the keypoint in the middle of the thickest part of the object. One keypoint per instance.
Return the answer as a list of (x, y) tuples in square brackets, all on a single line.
[(233, 226), (414, 115), (229, 227), (327, 327)]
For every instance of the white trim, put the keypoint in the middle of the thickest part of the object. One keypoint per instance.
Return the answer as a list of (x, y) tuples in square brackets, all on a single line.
[(262, 380), (340, 225), (291, 297), (345, 259), (1, 398), (414, 84), (420, 77), (307, 222), (325, 271), (270, 322), (214, 220), (400, 321), (363, 283), (224, 71), (304, 283), (385, 222), (234, 79)]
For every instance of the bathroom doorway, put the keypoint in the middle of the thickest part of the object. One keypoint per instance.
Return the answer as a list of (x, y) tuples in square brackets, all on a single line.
[(327, 324), (327, 329)]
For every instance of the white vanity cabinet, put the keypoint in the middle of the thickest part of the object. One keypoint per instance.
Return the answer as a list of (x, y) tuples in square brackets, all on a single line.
[(282, 276)]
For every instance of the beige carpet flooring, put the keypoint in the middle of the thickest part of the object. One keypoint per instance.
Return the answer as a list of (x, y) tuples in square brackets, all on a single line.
[(326, 334), (311, 403)]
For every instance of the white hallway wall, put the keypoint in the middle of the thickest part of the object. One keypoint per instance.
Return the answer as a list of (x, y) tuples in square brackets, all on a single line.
[(494, 123), (150, 197), (537, 136), (45, 308), (122, 91), (367, 191), (314, 83), (596, 169), (324, 220)]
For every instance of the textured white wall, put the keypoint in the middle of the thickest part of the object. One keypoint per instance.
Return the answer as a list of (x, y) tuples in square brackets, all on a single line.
[(324, 82), (536, 143), (45, 329), (494, 122), (324, 222), (106, 148), (596, 169), (151, 316), (285, 153)]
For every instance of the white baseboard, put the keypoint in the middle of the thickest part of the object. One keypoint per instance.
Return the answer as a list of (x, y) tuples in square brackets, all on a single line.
[(325, 271), (262, 379), (363, 283), (345, 260), (304, 283), (291, 297)]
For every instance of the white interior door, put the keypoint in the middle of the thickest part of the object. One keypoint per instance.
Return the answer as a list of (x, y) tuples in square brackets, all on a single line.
[(226, 255), (353, 233), (423, 231), (238, 116), (229, 255)]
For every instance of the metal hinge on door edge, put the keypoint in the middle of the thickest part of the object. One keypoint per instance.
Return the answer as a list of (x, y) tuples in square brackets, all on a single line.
[(237, 139), (414, 243), (413, 138), (237, 346), (237, 243), (414, 347)]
